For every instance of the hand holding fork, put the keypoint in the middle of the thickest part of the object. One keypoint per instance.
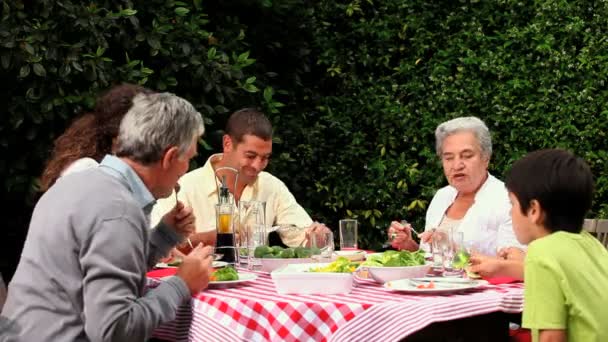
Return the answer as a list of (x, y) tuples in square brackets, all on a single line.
[(400, 236), (181, 218)]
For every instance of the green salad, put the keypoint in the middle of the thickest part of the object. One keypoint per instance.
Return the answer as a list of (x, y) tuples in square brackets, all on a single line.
[(278, 252), (340, 265), (394, 259), (224, 274), (461, 260)]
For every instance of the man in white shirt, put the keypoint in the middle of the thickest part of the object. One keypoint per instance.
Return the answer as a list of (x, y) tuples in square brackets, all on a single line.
[(247, 147)]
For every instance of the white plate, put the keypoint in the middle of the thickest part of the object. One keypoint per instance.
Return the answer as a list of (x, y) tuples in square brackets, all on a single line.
[(215, 264), (219, 264), (354, 255), (243, 277), (442, 285)]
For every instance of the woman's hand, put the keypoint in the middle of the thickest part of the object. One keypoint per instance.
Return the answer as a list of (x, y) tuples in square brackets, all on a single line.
[(400, 236)]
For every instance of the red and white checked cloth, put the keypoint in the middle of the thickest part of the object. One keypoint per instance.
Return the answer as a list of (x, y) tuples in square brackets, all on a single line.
[(254, 311)]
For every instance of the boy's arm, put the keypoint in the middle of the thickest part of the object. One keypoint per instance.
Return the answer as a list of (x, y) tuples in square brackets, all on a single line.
[(494, 267), (552, 336), (513, 269)]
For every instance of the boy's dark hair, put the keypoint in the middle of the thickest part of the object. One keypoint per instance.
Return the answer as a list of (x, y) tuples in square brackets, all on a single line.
[(248, 121), (561, 182)]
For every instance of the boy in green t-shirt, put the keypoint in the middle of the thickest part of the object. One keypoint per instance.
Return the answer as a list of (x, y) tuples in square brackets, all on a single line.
[(566, 269)]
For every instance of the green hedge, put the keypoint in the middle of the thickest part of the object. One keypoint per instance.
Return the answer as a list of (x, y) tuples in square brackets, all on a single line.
[(59, 55), (354, 88), (392, 70)]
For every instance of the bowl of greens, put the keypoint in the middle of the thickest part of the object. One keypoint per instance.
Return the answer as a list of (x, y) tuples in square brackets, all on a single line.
[(274, 257), (394, 265)]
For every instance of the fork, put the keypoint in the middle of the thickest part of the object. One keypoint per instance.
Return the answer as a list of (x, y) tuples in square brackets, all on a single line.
[(177, 188)]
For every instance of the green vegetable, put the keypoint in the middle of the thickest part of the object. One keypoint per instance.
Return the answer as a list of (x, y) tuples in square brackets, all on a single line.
[(270, 256), (225, 274), (260, 251), (274, 252), (461, 259), (302, 252), (340, 265), (394, 259), (287, 253), (175, 262)]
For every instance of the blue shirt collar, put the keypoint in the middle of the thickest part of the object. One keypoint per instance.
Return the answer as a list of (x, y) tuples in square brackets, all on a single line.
[(117, 168)]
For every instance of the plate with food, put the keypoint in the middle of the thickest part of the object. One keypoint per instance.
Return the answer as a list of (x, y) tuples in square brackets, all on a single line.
[(315, 278), (228, 276), (434, 285)]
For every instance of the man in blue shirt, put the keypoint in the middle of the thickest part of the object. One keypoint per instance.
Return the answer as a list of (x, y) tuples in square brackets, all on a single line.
[(82, 272)]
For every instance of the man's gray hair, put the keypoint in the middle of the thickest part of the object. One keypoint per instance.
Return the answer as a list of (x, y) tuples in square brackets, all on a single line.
[(466, 124), (156, 122)]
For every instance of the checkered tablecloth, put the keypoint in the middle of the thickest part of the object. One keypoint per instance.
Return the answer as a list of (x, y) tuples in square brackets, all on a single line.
[(254, 311)]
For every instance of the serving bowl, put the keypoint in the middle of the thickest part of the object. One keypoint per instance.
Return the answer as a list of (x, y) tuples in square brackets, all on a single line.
[(382, 274), (271, 264), (354, 255)]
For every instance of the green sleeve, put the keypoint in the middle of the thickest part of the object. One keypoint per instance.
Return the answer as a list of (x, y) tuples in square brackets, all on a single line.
[(544, 301)]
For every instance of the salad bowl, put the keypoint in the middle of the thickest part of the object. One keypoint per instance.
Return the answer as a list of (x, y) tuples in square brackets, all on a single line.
[(383, 274), (393, 265)]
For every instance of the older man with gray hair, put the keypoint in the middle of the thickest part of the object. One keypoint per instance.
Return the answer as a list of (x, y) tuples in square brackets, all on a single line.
[(82, 272), (474, 203)]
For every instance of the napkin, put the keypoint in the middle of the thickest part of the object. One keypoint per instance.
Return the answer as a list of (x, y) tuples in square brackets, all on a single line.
[(162, 272), (502, 280)]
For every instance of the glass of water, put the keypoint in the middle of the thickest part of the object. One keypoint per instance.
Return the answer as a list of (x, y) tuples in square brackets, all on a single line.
[(452, 254), (324, 241), (258, 236)]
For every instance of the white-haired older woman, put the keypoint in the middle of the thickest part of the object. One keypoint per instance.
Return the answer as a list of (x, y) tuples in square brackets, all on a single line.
[(475, 202)]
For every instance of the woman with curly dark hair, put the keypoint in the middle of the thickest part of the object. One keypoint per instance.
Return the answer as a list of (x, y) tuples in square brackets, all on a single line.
[(91, 136)]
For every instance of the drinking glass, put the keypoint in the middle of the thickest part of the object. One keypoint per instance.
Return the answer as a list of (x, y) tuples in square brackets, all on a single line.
[(440, 242), (348, 234), (225, 243), (454, 247), (251, 213), (256, 236), (324, 241)]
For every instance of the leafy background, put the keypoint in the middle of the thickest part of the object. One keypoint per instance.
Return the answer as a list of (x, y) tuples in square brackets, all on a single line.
[(355, 89)]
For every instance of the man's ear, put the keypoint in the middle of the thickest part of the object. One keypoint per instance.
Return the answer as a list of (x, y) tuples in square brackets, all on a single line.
[(169, 157), (536, 213), (227, 143)]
